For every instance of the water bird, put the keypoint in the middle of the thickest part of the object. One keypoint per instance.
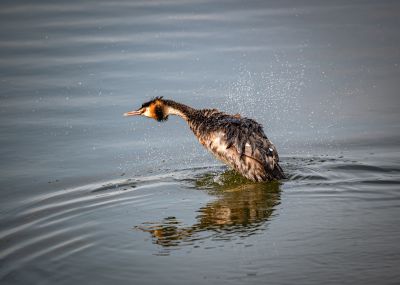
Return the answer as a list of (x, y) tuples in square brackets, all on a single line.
[(238, 141)]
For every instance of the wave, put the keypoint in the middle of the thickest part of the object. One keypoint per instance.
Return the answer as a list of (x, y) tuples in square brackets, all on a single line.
[(64, 222)]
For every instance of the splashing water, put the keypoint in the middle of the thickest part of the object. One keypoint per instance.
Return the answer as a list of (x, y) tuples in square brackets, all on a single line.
[(272, 94)]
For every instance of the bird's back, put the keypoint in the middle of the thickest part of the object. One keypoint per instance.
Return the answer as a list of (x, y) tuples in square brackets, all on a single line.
[(239, 142)]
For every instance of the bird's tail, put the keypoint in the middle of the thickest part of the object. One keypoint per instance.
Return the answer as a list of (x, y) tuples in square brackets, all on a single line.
[(277, 172)]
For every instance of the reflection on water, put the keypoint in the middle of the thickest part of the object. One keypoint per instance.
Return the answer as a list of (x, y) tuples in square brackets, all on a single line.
[(240, 210), (76, 176), (329, 205)]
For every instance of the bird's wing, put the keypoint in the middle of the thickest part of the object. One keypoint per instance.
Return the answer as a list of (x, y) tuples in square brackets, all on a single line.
[(249, 139), (261, 149), (246, 148)]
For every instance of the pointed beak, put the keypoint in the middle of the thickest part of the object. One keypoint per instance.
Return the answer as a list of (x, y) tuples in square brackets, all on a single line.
[(133, 113)]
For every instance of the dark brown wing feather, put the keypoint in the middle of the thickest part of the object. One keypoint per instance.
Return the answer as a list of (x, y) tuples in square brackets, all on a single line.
[(241, 143)]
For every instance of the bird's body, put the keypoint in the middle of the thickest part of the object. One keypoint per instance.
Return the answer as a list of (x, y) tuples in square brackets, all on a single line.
[(238, 142)]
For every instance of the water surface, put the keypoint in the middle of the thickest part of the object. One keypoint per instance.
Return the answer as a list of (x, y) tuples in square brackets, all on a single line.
[(88, 196)]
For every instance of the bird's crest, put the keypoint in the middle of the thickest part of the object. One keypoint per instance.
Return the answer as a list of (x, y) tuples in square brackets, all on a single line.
[(152, 101)]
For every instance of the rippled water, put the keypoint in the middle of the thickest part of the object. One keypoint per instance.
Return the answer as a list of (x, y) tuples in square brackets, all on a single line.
[(88, 196)]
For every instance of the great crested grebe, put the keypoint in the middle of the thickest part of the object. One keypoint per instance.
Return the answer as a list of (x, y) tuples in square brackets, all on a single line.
[(239, 142)]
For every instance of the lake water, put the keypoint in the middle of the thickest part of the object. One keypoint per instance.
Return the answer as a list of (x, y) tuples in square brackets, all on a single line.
[(88, 196)]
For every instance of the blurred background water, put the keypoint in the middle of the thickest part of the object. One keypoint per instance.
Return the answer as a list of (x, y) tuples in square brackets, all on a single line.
[(89, 196)]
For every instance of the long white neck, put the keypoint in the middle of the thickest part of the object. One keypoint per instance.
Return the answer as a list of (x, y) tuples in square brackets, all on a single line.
[(176, 112), (178, 109)]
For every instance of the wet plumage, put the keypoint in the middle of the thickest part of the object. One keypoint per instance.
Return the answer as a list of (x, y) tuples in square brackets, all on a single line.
[(239, 142)]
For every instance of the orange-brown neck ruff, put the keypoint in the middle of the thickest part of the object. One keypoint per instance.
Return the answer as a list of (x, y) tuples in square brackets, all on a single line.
[(157, 111)]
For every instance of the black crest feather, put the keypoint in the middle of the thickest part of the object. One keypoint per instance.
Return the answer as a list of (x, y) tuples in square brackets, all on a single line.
[(147, 104)]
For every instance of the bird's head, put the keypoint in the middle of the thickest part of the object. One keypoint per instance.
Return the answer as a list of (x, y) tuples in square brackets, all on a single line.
[(155, 108)]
